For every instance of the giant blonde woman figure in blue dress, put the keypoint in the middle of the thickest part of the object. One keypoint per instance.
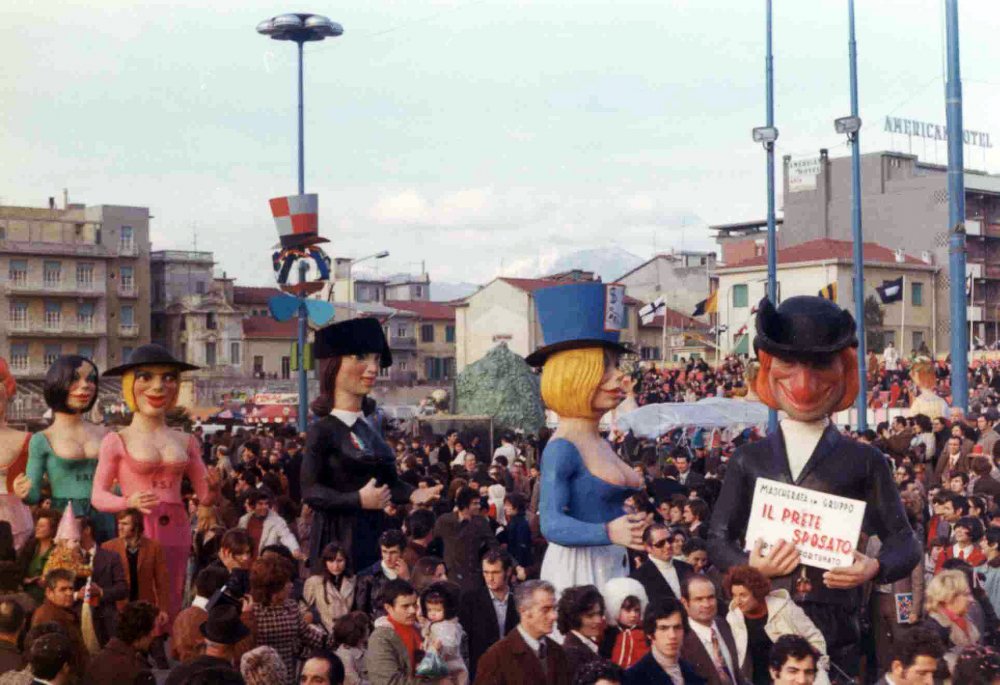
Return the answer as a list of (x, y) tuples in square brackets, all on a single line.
[(584, 483)]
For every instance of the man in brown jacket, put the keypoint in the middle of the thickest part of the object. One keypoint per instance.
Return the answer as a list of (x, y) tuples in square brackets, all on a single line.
[(186, 639), (58, 607), (143, 561), (527, 655)]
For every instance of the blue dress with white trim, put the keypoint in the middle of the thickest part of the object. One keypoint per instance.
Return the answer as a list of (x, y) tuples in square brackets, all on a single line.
[(575, 507)]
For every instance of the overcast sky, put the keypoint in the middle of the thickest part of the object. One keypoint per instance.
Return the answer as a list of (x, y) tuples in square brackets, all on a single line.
[(472, 135)]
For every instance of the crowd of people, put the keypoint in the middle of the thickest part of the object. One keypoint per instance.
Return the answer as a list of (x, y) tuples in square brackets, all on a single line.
[(455, 572)]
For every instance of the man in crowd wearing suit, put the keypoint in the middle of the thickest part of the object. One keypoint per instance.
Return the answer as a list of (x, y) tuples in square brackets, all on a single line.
[(708, 644), (107, 582), (466, 535), (664, 625), (793, 661), (915, 658), (483, 603), (661, 576), (686, 477), (527, 655)]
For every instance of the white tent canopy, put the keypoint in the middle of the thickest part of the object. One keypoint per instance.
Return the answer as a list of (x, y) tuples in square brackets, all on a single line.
[(653, 420)]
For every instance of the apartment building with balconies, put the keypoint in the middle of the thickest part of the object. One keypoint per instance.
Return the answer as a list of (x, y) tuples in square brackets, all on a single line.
[(75, 281)]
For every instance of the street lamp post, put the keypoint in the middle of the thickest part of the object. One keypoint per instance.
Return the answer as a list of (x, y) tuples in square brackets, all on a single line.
[(767, 135), (851, 126), (301, 29)]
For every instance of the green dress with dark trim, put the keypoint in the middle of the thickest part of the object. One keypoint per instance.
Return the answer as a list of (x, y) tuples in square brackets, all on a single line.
[(71, 480)]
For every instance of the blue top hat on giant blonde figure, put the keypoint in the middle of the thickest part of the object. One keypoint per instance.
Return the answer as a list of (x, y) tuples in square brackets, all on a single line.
[(584, 483)]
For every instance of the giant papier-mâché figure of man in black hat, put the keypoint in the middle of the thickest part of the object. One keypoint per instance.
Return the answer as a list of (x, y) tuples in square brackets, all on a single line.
[(809, 369), (348, 471)]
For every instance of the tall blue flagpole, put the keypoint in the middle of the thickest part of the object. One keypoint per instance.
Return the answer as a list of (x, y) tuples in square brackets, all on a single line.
[(956, 215), (856, 232), (772, 246)]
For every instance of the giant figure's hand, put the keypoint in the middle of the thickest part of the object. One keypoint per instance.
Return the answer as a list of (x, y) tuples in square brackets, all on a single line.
[(373, 496), (627, 531), (846, 577), (780, 561), (425, 495), (22, 486), (144, 501)]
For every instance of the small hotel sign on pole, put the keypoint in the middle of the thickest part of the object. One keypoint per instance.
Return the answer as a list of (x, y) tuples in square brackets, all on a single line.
[(924, 129)]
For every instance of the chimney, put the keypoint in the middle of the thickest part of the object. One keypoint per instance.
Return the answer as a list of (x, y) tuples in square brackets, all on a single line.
[(900, 256), (52, 202), (65, 198)]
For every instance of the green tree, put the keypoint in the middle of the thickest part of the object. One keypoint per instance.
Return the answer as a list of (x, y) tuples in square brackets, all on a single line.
[(874, 321)]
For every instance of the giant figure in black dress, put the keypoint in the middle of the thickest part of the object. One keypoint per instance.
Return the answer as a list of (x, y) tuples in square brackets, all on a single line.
[(349, 472)]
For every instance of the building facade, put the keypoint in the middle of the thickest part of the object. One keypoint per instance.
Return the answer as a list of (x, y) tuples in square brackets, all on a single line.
[(434, 328), (683, 279), (807, 268), (76, 281), (503, 310), (904, 205)]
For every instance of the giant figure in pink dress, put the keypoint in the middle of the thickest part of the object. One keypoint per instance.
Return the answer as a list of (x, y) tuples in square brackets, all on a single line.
[(13, 458), (148, 460)]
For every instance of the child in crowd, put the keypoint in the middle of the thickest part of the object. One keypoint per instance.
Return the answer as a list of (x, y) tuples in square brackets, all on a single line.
[(439, 607), (624, 641), (934, 556)]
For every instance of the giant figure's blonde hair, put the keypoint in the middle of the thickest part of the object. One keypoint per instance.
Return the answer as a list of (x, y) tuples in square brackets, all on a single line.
[(570, 379), (128, 388)]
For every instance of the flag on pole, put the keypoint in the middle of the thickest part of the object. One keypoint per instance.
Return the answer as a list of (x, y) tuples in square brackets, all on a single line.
[(649, 312), (829, 292), (890, 291), (707, 306)]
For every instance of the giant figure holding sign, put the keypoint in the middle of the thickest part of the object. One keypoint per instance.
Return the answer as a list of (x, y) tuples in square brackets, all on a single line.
[(808, 368)]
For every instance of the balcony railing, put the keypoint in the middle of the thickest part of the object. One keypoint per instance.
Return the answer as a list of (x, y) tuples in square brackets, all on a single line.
[(127, 290), (50, 287), (128, 248), (41, 328), (403, 343), (128, 330)]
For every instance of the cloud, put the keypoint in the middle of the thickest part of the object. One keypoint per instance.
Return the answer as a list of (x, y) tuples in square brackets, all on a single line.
[(464, 206)]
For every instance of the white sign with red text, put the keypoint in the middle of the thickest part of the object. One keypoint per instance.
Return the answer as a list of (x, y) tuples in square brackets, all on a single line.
[(824, 528)]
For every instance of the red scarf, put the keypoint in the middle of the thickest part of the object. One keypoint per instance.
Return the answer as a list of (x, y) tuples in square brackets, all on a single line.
[(960, 621), (411, 640)]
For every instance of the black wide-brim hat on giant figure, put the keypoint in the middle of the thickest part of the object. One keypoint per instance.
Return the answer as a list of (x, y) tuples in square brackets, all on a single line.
[(150, 355), (804, 327), (363, 335)]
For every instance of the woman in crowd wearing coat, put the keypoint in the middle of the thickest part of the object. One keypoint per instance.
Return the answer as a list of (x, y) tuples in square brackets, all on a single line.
[(759, 616), (330, 593), (946, 603), (348, 471)]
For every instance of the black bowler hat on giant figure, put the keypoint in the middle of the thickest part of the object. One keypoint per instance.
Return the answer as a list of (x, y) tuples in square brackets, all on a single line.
[(808, 357), (346, 457)]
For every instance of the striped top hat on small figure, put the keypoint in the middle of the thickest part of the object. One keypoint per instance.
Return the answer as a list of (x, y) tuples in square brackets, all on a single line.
[(297, 219)]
